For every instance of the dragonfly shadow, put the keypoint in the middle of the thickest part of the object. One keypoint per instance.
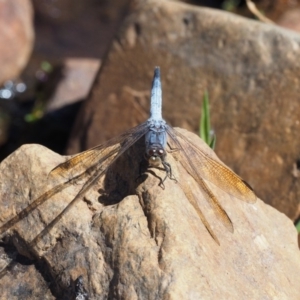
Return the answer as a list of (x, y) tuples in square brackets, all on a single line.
[(124, 175)]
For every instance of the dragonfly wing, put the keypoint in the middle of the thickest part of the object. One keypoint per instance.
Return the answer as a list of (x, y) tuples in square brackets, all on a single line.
[(97, 155), (130, 139), (25, 212), (207, 167), (192, 200), (187, 159), (99, 162)]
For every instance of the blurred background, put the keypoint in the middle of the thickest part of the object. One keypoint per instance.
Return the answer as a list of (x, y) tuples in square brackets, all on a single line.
[(52, 51), (59, 47)]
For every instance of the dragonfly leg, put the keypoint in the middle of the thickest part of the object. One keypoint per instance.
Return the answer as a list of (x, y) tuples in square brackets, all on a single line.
[(144, 165), (166, 166), (168, 170), (172, 150)]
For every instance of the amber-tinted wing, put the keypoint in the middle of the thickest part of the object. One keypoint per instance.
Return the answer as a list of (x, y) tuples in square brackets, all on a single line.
[(210, 169), (92, 163), (98, 155), (189, 194), (201, 166)]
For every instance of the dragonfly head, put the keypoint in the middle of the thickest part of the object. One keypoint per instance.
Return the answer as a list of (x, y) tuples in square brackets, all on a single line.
[(155, 155)]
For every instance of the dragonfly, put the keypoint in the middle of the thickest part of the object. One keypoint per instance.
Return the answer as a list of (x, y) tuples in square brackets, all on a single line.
[(160, 138)]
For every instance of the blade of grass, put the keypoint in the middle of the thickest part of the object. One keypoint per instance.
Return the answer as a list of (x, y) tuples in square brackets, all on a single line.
[(212, 143), (298, 226), (205, 119), (205, 131)]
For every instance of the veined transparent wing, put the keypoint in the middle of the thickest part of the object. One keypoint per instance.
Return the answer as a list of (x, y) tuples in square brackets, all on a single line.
[(206, 167), (202, 166), (92, 163), (99, 154)]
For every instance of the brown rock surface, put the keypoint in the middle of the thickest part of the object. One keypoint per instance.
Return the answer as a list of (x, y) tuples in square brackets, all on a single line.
[(23, 281), (158, 250), (83, 28), (78, 76), (16, 37), (290, 19), (251, 71)]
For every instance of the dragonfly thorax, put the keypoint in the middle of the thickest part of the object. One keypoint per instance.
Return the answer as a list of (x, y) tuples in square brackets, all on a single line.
[(155, 154)]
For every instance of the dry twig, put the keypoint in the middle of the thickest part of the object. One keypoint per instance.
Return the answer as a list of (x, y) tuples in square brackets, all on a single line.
[(252, 7)]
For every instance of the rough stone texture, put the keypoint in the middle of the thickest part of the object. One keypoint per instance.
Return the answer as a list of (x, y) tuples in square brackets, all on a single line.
[(16, 37), (149, 247), (250, 69), (29, 283)]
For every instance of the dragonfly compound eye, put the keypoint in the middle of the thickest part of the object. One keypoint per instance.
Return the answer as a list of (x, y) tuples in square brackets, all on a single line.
[(152, 152), (161, 152)]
